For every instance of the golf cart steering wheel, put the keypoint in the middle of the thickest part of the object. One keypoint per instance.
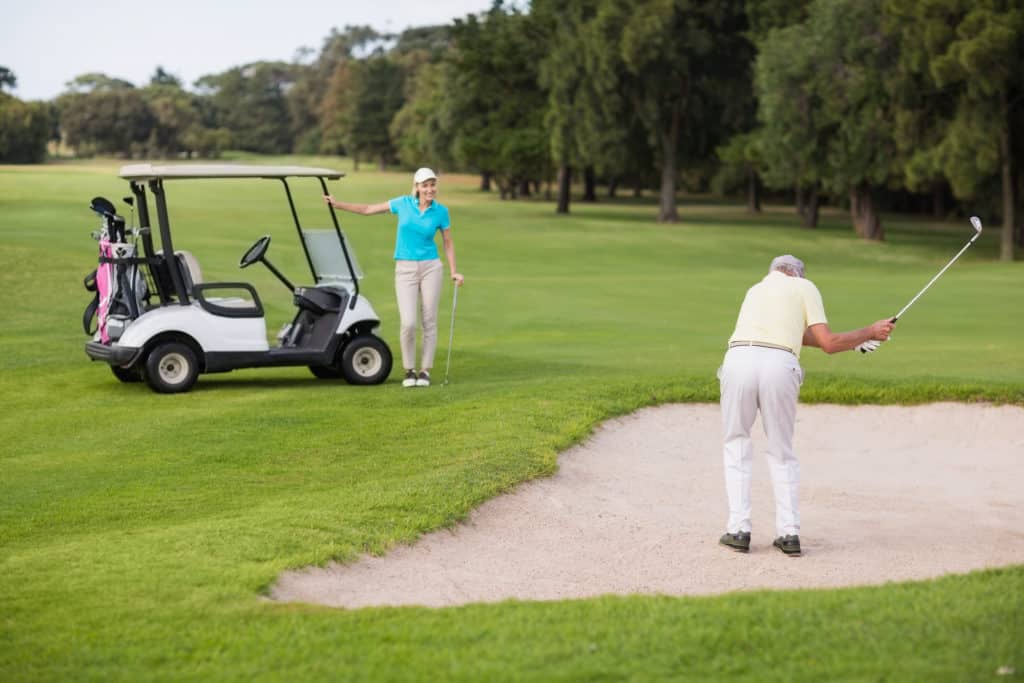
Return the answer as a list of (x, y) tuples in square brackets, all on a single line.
[(255, 252)]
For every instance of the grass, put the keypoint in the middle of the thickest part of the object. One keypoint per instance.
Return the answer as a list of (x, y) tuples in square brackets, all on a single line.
[(138, 531)]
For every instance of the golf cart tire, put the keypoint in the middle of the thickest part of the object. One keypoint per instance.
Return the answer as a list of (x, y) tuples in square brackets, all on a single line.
[(366, 360), (127, 375), (172, 368), (326, 371)]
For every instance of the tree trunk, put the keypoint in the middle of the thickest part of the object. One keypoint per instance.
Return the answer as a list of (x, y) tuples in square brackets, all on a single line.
[(485, 181), (355, 162), (524, 188), (589, 184), (1009, 194), (809, 217), (382, 165), (866, 221), (613, 186), (753, 192), (938, 200), (799, 191), (564, 185), (667, 212)]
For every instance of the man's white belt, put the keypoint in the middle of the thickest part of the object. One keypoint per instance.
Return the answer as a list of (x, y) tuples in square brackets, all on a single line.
[(766, 345)]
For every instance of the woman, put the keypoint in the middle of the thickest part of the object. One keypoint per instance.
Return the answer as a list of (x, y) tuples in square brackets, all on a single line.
[(417, 266)]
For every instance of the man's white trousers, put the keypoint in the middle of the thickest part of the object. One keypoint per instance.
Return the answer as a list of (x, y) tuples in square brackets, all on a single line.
[(755, 378)]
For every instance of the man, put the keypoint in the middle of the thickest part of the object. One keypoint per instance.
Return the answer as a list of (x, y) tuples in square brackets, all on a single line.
[(761, 371)]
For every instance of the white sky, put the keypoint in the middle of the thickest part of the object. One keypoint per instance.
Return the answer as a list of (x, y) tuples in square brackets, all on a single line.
[(46, 43)]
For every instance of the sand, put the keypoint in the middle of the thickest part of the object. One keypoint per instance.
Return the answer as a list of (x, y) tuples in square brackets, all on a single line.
[(888, 493)]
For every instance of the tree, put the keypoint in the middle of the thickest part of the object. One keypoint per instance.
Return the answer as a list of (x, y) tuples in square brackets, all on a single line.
[(971, 53), (493, 109), (250, 102), (24, 130), (7, 79), (669, 59), (827, 106), (104, 115), (335, 110), (418, 129), (311, 93), (175, 115), (377, 96), (94, 81), (563, 75)]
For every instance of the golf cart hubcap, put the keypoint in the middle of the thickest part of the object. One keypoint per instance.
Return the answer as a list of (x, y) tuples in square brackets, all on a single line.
[(173, 368), (367, 362)]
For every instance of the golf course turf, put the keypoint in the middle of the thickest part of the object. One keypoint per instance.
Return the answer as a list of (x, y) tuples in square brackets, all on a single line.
[(139, 532)]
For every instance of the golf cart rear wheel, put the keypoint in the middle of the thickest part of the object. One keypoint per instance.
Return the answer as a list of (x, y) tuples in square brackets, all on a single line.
[(366, 360), (172, 368), (127, 375)]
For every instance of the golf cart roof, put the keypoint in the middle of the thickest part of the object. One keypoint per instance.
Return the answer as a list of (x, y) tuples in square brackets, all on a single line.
[(167, 171)]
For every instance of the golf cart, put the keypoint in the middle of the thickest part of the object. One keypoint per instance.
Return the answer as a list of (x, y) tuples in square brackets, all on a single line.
[(157, 320)]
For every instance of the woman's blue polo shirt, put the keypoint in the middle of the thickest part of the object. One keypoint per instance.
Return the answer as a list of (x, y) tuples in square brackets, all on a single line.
[(415, 239)]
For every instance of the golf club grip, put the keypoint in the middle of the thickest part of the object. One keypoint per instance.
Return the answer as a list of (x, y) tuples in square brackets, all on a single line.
[(892, 320)]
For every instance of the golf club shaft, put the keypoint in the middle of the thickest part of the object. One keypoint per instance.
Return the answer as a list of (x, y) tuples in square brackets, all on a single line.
[(451, 332), (937, 275)]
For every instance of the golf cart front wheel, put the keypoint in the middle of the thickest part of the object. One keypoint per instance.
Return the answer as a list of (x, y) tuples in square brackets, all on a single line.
[(172, 368), (366, 360)]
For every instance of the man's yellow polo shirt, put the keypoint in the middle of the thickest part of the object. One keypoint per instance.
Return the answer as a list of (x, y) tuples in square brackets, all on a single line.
[(777, 310)]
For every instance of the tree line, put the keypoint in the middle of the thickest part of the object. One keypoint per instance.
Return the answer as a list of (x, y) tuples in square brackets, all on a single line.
[(870, 105)]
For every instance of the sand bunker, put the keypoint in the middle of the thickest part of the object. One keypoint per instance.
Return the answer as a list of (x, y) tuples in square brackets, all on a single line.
[(887, 494)]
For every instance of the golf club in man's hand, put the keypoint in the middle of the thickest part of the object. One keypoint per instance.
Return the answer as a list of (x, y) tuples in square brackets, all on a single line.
[(871, 344)]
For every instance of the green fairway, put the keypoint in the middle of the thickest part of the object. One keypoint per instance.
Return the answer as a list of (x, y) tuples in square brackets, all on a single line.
[(139, 532)]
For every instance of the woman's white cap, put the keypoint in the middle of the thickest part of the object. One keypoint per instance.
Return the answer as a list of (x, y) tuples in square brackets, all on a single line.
[(423, 174)]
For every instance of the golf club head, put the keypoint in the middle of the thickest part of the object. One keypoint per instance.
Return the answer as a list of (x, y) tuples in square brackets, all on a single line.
[(976, 222), (102, 206)]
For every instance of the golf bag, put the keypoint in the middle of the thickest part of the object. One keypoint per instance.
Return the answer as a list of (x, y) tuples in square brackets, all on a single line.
[(121, 292)]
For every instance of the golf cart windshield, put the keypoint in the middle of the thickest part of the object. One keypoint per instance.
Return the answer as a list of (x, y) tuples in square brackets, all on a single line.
[(328, 258)]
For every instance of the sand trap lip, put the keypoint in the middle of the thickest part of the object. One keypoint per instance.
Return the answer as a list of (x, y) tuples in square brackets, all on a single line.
[(888, 493)]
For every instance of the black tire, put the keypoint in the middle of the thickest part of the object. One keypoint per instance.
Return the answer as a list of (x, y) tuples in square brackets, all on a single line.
[(326, 371), (127, 375), (366, 360), (172, 368)]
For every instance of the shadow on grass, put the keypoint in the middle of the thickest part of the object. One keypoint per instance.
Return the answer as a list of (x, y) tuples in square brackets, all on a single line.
[(481, 369)]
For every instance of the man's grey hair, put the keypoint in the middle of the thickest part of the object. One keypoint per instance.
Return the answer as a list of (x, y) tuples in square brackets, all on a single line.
[(788, 264)]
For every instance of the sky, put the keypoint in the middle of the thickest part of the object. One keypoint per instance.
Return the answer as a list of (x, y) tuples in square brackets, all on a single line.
[(46, 43)]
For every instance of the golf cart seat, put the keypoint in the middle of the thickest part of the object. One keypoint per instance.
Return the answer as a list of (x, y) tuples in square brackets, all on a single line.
[(191, 273)]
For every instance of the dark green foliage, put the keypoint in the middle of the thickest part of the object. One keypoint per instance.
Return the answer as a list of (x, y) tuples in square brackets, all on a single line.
[(967, 59), (377, 95), (25, 129), (105, 120), (7, 78), (675, 64), (250, 101), (492, 106)]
